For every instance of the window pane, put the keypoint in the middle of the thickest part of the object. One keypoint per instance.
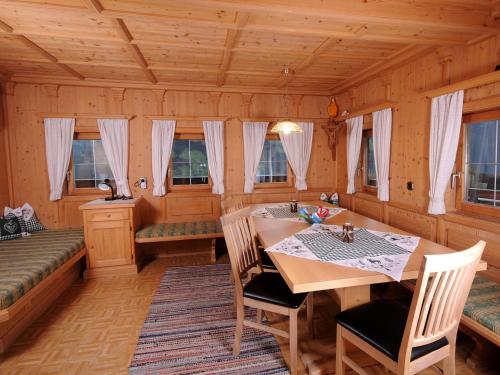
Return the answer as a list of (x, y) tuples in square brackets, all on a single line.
[(189, 162), (481, 176), (273, 165), (90, 165), (370, 174), (481, 139)]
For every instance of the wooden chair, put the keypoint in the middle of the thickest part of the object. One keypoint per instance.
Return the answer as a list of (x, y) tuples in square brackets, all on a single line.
[(232, 204), (264, 291), (407, 342)]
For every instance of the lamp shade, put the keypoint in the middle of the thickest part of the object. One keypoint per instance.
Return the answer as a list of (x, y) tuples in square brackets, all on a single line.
[(286, 127)]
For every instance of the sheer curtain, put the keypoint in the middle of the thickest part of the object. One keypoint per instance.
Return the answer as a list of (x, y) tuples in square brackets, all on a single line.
[(297, 147), (58, 143), (382, 125), (162, 139), (254, 136), (446, 121), (214, 140), (114, 135), (354, 136)]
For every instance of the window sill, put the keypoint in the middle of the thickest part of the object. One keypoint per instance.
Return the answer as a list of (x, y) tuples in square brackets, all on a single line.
[(271, 185)]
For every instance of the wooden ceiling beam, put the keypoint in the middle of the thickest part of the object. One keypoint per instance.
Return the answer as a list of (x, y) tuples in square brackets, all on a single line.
[(35, 47), (232, 37), (126, 36)]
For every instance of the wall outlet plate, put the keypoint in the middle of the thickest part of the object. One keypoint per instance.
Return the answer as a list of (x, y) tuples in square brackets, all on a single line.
[(410, 186)]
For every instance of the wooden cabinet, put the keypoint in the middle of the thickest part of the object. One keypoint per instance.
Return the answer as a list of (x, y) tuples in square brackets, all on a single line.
[(110, 228)]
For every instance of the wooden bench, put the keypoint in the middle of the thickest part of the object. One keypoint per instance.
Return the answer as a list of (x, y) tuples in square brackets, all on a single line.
[(196, 230)]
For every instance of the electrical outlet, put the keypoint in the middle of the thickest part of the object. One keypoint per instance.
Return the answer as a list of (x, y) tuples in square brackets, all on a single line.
[(143, 183)]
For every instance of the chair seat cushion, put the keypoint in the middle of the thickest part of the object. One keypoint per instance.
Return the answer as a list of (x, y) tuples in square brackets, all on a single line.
[(381, 323), (483, 303), (267, 263), (270, 287), (166, 230)]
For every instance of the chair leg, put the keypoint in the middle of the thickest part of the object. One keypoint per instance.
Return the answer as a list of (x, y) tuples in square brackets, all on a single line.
[(293, 341), (449, 362), (259, 316), (339, 353), (310, 310), (240, 315)]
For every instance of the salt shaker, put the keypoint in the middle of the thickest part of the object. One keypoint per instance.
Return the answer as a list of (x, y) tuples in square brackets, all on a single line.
[(294, 206)]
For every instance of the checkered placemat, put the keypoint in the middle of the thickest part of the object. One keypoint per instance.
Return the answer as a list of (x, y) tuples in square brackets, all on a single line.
[(330, 247), (284, 211)]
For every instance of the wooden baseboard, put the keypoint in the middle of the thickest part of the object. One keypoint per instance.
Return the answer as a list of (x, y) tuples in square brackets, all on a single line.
[(11, 329)]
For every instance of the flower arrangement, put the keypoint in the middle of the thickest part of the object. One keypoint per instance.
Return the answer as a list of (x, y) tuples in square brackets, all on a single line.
[(314, 217)]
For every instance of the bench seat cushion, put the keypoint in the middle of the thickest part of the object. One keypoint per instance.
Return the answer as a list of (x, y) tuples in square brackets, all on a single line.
[(175, 231), (25, 262), (483, 303)]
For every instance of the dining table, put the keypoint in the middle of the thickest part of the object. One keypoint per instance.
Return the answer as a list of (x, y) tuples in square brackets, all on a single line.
[(349, 286)]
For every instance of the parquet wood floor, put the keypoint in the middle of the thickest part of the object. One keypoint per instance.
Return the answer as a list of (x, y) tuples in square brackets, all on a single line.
[(94, 326)]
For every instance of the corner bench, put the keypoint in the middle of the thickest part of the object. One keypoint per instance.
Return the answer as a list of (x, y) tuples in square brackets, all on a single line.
[(196, 230)]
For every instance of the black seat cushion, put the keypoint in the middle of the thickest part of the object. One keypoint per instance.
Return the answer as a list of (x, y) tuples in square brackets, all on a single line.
[(382, 323), (270, 287), (267, 263)]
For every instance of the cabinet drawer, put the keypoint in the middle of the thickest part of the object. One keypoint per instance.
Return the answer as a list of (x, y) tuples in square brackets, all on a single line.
[(107, 215)]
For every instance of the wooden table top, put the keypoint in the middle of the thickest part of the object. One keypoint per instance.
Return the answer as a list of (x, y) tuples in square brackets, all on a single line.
[(304, 275)]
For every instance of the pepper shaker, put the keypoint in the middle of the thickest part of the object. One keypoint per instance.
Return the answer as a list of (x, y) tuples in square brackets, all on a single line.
[(294, 206)]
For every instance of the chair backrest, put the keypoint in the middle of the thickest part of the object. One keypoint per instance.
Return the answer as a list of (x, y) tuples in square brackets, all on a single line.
[(231, 204), (438, 301), (239, 233)]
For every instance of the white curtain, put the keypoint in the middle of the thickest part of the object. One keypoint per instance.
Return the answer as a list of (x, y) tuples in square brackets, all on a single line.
[(58, 143), (114, 136), (297, 147), (354, 136), (162, 138), (254, 136), (214, 140), (382, 125), (446, 121)]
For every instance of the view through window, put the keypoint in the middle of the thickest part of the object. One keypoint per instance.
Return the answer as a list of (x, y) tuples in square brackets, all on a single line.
[(189, 162), (90, 166), (370, 175), (273, 165)]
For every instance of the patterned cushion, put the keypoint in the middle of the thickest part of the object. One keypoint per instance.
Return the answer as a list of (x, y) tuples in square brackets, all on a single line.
[(34, 225), (483, 303), (25, 262), (11, 227), (180, 229)]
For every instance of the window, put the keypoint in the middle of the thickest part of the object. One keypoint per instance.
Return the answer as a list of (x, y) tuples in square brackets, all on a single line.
[(273, 166), (479, 162), (482, 163), (89, 166), (189, 163), (370, 176)]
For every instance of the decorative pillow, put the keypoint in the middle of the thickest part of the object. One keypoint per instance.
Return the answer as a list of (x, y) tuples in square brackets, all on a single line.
[(10, 228), (26, 214)]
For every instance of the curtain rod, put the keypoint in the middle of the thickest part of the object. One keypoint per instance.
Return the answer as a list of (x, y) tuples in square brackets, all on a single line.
[(188, 118), (484, 79), (271, 119), (85, 115)]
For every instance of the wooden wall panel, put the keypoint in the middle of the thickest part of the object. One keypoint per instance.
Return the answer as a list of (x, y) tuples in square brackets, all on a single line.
[(26, 137), (4, 181), (422, 225), (369, 206)]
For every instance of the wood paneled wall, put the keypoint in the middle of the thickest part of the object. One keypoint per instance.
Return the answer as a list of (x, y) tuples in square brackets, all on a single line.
[(4, 182), (26, 137), (410, 143)]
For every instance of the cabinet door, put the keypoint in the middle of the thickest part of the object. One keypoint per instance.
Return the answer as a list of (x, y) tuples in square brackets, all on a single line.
[(109, 243)]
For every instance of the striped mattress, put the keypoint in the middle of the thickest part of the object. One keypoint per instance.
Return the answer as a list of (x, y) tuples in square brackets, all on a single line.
[(25, 262)]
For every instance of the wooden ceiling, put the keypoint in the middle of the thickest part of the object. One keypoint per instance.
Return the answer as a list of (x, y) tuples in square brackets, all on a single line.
[(223, 44)]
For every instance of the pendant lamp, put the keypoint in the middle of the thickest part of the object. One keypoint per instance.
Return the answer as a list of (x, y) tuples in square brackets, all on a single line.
[(286, 126)]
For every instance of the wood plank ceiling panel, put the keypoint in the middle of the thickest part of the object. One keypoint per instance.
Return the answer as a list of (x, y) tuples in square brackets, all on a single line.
[(232, 42)]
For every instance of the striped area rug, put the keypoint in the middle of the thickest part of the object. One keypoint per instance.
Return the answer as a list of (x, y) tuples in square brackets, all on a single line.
[(190, 329)]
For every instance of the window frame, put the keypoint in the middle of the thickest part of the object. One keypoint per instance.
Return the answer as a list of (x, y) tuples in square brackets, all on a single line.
[(361, 171), (71, 190), (460, 203), (195, 188), (290, 181)]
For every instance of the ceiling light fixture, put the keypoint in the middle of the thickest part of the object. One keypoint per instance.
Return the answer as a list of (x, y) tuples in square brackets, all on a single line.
[(286, 126)]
